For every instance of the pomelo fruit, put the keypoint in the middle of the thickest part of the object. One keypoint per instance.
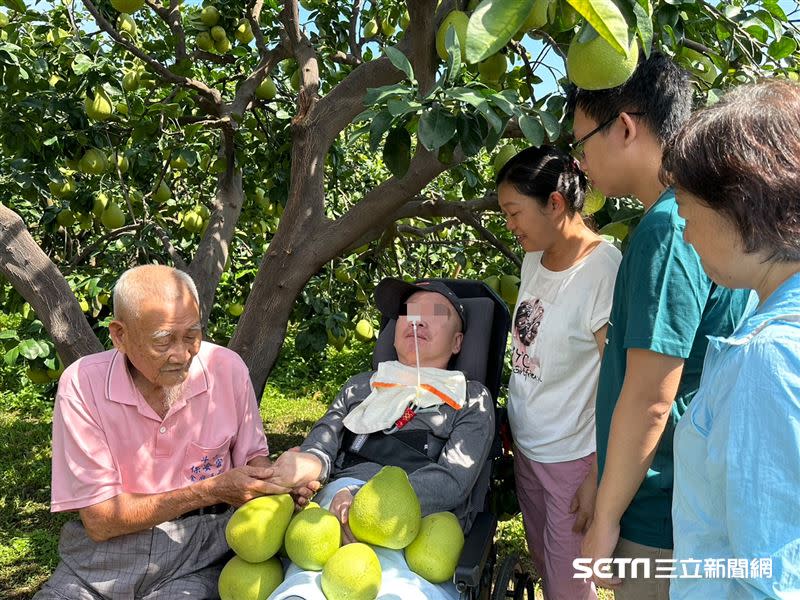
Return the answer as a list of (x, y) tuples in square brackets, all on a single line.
[(352, 573), (313, 536), (435, 551), (596, 65), (255, 531), (386, 511)]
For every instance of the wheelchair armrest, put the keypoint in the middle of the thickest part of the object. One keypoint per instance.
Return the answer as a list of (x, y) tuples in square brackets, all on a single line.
[(477, 546)]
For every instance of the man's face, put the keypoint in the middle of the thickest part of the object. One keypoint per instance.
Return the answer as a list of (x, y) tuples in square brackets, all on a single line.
[(162, 341), (599, 154), (438, 331)]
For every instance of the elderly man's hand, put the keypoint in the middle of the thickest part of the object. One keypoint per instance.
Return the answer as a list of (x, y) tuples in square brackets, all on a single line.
[(296, 469), (340, 506), (239, 485)]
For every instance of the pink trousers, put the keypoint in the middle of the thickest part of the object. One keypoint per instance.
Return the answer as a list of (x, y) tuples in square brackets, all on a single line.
[(545, 491)]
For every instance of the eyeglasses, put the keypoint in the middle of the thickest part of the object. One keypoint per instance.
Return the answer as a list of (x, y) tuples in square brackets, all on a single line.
[(576, 147)]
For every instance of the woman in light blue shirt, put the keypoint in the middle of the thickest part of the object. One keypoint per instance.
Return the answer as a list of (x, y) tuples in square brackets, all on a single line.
[(736, 505)]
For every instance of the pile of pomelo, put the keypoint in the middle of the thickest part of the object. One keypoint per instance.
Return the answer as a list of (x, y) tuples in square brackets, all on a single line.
[(385, 512)]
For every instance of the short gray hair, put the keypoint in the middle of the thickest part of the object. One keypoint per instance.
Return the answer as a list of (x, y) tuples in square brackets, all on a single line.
[(144, 281)]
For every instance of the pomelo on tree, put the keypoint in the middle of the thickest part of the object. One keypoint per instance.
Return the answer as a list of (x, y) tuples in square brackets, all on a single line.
[(435, 551), (126, 25), (93, 162), (459, 21), (594, 201), (209, 16), (65, 217), (222, 46), (364, 331), (130, 81), (62, 189), (266, 90), (99, 107), (537, 18), (493, 281), (493, 68), (387, 28), (38, 376), (3, 19), (127, 6), (218, 33), (112, 217), (371, 28), (235, 309), (509, 288), (162, 193), (337, 341), (596, 65), (352, 573), (294, 80), (244, 33), (241, 580), (405, 19), (204, 41)]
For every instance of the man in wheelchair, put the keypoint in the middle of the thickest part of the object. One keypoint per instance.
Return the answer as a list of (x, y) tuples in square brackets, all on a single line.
[(411, 412)]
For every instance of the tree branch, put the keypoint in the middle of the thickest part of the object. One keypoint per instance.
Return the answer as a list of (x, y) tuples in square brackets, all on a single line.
[(172, 17), (355, 46), (208, 93), (39, 281)]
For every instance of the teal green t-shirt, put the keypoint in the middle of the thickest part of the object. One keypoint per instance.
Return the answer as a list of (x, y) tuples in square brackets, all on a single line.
[(663, 302)]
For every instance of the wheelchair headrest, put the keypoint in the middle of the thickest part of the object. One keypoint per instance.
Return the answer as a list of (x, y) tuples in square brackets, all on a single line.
[(475, 348)]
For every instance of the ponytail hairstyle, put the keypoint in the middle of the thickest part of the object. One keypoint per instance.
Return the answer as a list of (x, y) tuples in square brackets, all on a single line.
[(537, 172)]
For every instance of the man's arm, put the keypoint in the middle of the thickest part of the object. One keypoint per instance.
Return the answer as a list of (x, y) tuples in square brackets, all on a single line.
[(128, 513), (445, 484), (640, 417)]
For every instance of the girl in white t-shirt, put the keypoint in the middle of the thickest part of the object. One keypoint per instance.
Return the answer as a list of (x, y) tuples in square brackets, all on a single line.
[(558, 334)]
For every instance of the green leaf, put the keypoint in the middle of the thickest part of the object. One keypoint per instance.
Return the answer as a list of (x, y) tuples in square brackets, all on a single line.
[(397, 151), (399, 107), (436, 128), (492, 24), (551, 125), (380, 124), (29, 349), (502, 101), (375, 95), (82, 64), (11, 356), (8, 334), (400, 61), (607, 19), (469, 134), (782, 48), (644, 27), (453, 47), (532, 130), (17, 5)]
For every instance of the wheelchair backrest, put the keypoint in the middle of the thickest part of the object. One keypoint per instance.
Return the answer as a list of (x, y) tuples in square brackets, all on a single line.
[(488, 323)]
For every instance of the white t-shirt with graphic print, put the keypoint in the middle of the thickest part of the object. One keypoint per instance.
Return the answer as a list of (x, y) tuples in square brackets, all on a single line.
[(554, 357)]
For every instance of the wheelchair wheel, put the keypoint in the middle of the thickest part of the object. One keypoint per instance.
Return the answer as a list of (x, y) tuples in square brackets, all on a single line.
[(513, 581)]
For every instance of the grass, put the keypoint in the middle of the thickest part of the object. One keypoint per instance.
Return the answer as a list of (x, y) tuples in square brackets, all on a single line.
[(297, 394)]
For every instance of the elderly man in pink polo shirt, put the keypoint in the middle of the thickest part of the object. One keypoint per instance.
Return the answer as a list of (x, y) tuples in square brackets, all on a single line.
[(152, 443)]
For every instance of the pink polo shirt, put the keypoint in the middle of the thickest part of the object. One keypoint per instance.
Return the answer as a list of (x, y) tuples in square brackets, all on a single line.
[(107, 440)]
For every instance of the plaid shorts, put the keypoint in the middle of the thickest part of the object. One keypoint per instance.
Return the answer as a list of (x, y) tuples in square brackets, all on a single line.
[(181, 558)]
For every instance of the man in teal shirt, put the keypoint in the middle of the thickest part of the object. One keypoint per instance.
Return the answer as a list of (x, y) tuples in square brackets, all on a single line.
[(664, 307)]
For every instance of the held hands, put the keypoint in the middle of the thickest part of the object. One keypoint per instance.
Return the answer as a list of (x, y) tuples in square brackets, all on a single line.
[(600, 541), (239, 485), (296, 469), (582, 505), (340, 506)]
